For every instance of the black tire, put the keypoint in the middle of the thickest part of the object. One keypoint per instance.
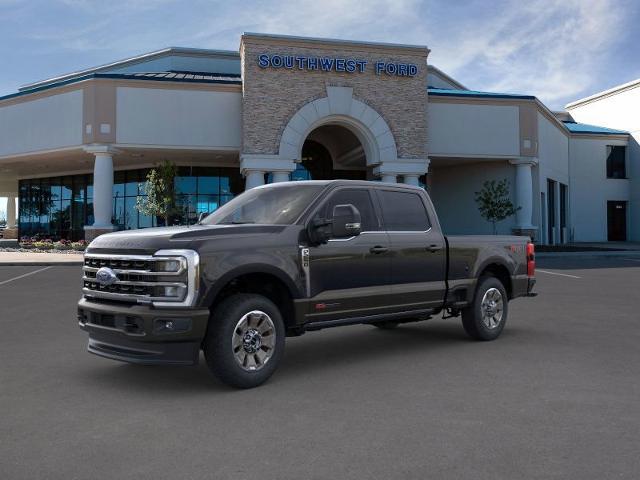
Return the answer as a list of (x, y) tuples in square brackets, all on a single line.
[(472, 317), (386, 325), (221, 333)]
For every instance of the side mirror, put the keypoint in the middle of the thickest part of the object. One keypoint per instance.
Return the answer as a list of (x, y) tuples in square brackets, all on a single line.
[(202, 216), (346, 221)]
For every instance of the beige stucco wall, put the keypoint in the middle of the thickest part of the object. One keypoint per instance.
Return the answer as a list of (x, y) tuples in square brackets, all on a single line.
[(178, 117), (272, 96), (44, 123)]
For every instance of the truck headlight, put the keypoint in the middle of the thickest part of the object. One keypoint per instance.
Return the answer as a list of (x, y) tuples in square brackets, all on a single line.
[(181, 277)]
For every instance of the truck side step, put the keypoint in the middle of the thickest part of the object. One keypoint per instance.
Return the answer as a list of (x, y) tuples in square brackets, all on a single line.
[(422, 314)]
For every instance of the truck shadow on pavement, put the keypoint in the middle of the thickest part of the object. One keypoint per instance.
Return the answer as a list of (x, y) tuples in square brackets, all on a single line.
[(308, 355)]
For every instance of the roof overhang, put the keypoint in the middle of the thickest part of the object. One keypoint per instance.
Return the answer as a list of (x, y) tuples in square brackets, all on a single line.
[(145, 57), (605, 93)]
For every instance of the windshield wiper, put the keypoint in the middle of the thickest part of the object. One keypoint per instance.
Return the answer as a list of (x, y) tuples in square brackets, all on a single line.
[(236, 222)]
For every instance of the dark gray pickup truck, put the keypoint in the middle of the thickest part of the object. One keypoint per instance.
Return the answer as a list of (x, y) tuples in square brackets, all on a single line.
[(287, 258)]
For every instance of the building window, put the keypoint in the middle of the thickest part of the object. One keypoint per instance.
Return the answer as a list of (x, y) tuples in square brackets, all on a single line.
[(60, 207), (616, 161)]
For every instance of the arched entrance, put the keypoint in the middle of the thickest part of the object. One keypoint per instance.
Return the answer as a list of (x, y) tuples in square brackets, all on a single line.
[(336, 136), (333, 151)]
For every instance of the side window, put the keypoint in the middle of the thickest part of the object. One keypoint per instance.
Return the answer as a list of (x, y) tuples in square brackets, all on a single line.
[(616, 167), (360, 199), (403, 211)]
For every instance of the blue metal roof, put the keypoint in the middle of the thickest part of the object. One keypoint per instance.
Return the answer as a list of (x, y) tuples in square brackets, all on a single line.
[(187, 77), (445, 92), (575, 127)]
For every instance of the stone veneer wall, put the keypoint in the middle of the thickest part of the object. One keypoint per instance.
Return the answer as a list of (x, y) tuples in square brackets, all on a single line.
[(271, 96)]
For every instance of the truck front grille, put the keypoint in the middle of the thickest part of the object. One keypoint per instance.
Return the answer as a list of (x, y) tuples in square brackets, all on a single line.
[(168, 278)]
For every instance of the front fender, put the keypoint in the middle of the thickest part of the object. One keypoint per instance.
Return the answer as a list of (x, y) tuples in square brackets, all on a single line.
[(286, 276)]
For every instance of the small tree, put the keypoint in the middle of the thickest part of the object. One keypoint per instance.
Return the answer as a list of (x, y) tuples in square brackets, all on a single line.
[(160, 199), (494, 203)]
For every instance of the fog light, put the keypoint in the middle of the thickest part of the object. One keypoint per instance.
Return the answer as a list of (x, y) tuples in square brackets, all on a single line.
[(168, 265), (171, 325), (170, 292)]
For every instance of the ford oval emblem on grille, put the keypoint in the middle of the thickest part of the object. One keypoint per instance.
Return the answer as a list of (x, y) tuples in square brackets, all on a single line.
[(106, 277)]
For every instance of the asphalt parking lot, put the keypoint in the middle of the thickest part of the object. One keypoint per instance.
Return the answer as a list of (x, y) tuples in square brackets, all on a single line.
[(557, 396)]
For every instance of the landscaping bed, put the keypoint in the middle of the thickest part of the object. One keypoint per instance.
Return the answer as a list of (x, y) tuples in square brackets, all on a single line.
[(38, 245)]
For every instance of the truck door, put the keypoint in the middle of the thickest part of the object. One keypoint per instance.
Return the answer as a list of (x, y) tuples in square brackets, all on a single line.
[(350, 277), (418, 260)]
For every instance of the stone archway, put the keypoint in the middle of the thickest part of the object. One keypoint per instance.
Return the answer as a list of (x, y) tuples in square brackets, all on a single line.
[(340, 108)]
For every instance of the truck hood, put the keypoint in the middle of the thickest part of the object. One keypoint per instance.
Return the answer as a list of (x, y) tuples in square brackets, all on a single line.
[(149, 240)]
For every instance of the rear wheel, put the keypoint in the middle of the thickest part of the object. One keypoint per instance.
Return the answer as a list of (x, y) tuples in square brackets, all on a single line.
[(485, 318), (245, 340)]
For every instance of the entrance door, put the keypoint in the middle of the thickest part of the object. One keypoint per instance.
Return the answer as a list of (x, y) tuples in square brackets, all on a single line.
[(551, 211), (543, 218), (617, 221)]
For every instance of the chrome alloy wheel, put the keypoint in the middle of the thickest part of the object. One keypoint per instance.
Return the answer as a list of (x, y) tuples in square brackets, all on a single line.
[(492, 308), (254, 340)]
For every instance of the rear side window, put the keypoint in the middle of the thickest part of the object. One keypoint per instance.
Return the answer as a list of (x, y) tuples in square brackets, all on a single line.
[(403, 211), (359, 199)]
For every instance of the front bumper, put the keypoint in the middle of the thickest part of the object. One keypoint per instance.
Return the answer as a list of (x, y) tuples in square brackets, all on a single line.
[(140, 334)]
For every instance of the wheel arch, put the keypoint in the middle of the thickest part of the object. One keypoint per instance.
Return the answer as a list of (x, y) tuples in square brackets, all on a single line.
[(260, 279), (500, 271)]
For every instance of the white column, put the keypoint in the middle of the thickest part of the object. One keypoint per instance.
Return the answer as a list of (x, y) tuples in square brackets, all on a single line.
[(411, 180), (389, 178), (253, 178), (102, 186), (11, 212), (280, 176), (253, 166), (409, 169), (524, 192)]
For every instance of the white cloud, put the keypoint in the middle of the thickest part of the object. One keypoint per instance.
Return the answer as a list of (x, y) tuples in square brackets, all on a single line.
[(555, 49), (548, 48), (552, 49)]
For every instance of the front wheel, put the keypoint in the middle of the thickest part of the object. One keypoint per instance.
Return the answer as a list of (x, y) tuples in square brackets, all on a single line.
[(484, 319), (245, 340)]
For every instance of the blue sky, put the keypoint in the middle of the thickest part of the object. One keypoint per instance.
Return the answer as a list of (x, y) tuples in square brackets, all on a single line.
[(557, 50)]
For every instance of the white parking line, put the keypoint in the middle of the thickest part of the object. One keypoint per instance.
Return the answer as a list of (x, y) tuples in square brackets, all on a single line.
[(25, 275), (556, 273)]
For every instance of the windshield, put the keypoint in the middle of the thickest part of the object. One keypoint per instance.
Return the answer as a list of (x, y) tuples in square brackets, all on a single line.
[(272, 206)]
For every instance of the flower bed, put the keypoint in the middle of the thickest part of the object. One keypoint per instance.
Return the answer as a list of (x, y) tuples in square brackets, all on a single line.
[(40, 245)]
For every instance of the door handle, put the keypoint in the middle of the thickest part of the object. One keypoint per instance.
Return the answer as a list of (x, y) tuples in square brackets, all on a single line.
[(434, 248), (378, 249)]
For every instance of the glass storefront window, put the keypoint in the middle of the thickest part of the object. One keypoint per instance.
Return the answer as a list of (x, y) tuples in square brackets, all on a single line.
[(67, 188), (118, 184), (60, 207), (209, 185), (131, 214)]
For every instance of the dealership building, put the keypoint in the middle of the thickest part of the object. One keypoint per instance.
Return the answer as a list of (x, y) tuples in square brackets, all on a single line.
[(74, 150)]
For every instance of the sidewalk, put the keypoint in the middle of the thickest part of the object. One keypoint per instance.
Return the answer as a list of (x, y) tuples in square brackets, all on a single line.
[(593, 253), (622, 249), (37, 259)]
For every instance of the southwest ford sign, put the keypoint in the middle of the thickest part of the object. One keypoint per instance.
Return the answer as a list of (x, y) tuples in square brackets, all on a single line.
[(334, 64)]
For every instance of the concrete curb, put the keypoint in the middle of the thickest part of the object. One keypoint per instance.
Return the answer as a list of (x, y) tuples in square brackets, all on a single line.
[(616, 253)]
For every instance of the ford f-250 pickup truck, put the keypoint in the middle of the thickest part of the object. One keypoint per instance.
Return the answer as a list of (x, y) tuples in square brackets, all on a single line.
[(287, 258)]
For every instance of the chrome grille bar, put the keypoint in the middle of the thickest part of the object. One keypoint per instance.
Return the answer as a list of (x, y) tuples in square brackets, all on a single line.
[(138, 278)]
